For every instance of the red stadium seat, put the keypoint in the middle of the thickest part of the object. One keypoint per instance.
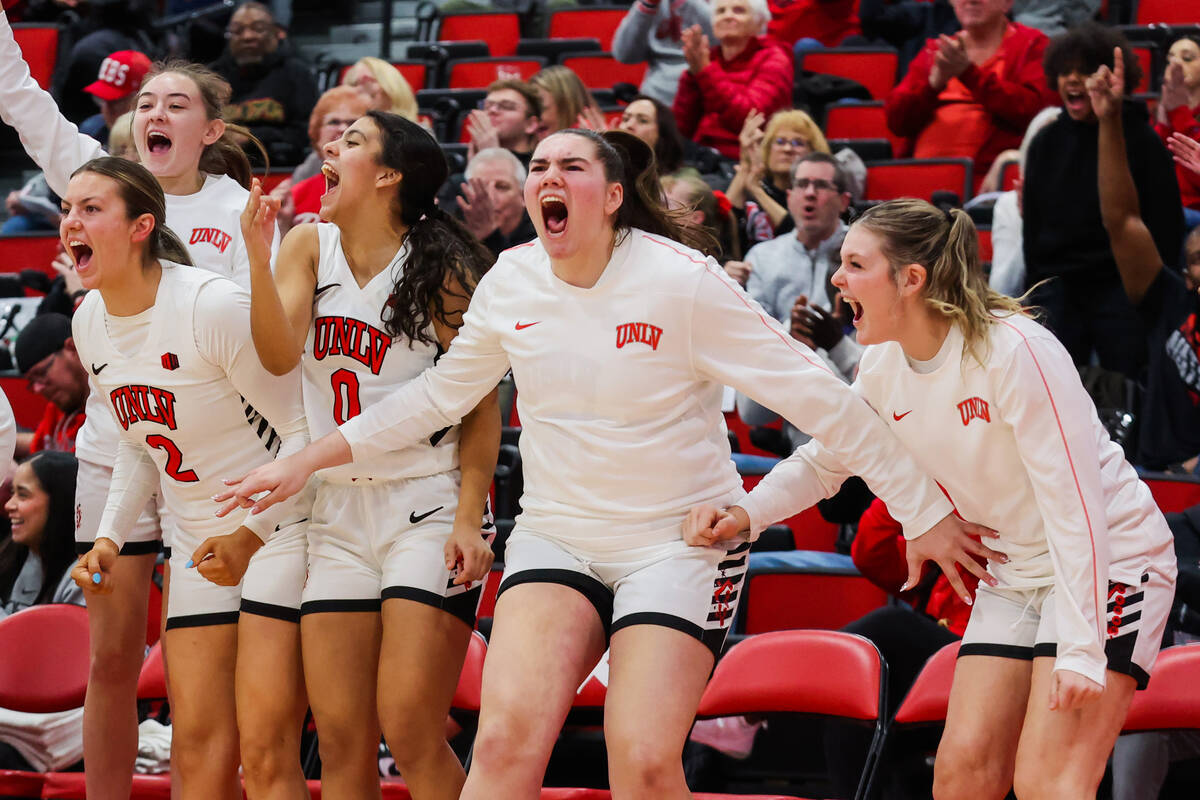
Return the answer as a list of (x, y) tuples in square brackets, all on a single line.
[(929, 696), (152, 681), (500, 29), (1145, 57), (593, 22), (51, 674), (70, 786), (25, 251), (1169, 12), (479, 73), (861, 121), (491, 586), (39, 45), (985, 244), (919, 177), (1009, 176), (827, 673), (1173, 492), (466, 694), (1171, 700), (810, 530), (873, 67), (602, 71), (27, 407), (803, 589), (272, 178)]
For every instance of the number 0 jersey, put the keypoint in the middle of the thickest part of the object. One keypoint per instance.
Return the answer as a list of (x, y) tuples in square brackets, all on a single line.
[(351, 363)]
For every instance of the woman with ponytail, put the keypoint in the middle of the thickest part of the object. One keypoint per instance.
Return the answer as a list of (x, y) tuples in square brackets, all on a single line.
[(170, 354), (398, 544), (990, 404), (621, 336), (190, 152)]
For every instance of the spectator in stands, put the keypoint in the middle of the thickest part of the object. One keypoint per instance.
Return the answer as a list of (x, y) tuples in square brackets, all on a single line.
[(509, 118), (45, 355), (971, 95), (33, 207), (1169, 309), (652, 32), (688, 193), (1053, 17), (35, 560), (384, 86), (120, 138), (566, 102), (1008, 255), (789, 275), (273, 93), (825, 22), (745, 71), (1063, 235), (493, 200), (907, 24), (115, 89), (763, 177), (103, 28), (1179, 110), (653, 123)]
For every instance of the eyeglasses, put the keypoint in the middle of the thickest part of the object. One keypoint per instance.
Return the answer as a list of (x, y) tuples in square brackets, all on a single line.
[(257, 28), (37, 373), (500, 105), (819, 184), (799, 144)]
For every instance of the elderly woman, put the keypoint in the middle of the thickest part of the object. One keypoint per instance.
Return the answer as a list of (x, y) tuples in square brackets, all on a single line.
[(745, 72), (335, 111)]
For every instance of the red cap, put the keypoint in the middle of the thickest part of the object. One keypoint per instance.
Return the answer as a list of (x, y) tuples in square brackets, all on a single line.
[(120, 75)]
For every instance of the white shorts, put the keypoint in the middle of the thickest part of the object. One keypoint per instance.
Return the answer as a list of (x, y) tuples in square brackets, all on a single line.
[(149, 533), (690, 589), (271, 586), (377, 540), (1021, 623)]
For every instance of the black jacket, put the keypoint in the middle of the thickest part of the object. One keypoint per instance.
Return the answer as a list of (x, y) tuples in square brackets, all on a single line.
[(274, 99)]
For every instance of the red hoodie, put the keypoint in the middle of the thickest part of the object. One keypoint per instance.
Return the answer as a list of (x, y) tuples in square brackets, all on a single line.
[(1186, 121), (712, 105), (827, 21)]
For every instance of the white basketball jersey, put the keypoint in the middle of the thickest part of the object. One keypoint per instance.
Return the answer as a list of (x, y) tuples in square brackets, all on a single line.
[(172, 401), (350, 363)]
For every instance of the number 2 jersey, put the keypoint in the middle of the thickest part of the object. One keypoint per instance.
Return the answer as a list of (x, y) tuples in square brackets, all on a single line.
[(351, 363), (187, 399)]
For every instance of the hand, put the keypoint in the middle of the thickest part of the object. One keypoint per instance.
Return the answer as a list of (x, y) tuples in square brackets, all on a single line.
[(695, 49), (223, 559), (1174, 92), (949, 543), (468, 553), (739, 271), (949, 61), (1186, 151), (91, 571), (1106, 87), (751, 136), (258, 224), (479, 215), (705, 525), (1070, 690), (12, 202), (483, 134), (823, 328), (591, 118), (63, 265), (280, 479)]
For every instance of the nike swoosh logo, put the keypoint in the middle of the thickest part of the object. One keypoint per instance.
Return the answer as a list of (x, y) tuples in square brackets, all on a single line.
[(325, 288), (523, 325), (96, 370), (899, 417), (414, 517)]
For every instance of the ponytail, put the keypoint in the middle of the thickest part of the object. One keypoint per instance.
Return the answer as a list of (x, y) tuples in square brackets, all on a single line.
[(164, 244)]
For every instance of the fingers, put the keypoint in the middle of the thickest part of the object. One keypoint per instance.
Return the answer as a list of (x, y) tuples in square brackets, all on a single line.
[(915, 563), (975, 568), (206, 548), (1118, 70), (956, 581), (726, 528)]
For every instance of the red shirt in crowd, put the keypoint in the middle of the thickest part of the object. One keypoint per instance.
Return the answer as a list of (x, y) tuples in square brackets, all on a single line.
[(57, 430), (1186, 121), (827, 21), (980, 113), (306, 199), (879, 553), (712, 105)]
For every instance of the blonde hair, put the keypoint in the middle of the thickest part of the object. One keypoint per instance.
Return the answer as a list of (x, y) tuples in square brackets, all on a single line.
[(567, 91), (946, 244), (797, 120), (393, 84), (120, 137)]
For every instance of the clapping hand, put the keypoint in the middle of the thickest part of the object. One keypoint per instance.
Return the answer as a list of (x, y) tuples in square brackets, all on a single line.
[(695, 49)]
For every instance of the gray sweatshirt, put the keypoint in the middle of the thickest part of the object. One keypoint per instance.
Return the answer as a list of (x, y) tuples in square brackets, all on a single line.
[(651, 32)]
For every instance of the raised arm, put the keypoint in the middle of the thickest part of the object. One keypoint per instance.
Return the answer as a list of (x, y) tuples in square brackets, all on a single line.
[(1134, 250)]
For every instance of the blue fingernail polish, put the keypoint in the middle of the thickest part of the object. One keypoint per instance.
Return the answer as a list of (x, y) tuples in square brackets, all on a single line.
[(95, 577), (190, 564)]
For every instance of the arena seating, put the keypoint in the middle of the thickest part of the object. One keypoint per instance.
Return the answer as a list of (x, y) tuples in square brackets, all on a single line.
[(873, 67), (1167, 12), (601, 70), (803, 589), (929, 696), (479, 73), (1173, 492), (39, 45), (599, 22), (1170, 701), (500, 29), (862, 121), (919, 177)]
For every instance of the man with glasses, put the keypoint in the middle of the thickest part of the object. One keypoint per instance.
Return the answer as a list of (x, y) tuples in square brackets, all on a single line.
[(273, 92), (789, 275), (508, 118), (45, 355)]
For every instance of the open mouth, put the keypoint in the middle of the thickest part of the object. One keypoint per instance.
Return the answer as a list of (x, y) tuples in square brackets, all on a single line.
[(331, 178), (81, 252), (554, 215), (855, 308), (1076, 99), (157, 143)]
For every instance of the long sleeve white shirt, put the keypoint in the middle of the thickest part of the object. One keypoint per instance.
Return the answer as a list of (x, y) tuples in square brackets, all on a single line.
[(1016, 444), (619, 390)]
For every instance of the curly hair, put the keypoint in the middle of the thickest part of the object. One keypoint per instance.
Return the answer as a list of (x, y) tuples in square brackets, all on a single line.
[(441, 251), (1084, 49)]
